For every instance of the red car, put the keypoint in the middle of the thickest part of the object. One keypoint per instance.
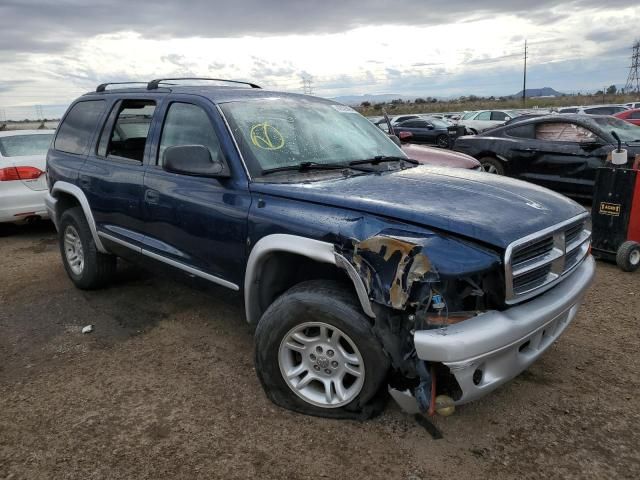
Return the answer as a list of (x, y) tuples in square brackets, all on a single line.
[(631, 116)]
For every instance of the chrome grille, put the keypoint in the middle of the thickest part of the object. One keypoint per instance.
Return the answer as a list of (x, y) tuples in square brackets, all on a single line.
[(537, 262)]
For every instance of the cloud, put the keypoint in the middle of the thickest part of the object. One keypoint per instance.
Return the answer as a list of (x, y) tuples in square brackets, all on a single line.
[(53, 25)]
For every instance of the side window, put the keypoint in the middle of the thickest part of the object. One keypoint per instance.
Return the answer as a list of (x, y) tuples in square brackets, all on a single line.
[(563, 132), (128, 137), (188, 124), (483, 116), (635, 115), (413, 124), (498, 116), (522, 131), (568, 110), (74, 134)]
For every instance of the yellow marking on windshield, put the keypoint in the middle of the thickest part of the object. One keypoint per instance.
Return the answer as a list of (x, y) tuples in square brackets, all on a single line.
[(266, 136)]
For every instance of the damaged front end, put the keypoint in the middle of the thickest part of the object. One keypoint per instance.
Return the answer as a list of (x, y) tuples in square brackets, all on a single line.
[(419, 281)]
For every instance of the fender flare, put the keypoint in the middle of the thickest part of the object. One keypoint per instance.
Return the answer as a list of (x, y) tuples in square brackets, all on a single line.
[(314, 249), (78, 194)]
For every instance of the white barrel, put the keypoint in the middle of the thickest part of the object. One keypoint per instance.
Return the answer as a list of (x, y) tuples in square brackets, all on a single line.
[(619, 157)]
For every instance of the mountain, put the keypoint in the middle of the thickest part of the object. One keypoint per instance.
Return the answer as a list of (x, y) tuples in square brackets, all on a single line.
[(539, 92)]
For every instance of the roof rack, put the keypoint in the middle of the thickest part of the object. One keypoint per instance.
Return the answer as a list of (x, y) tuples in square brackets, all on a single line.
[(154, 84), (103, 86)]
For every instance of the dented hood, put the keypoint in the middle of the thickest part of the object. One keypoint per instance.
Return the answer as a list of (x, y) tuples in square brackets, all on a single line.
[(481, 206)]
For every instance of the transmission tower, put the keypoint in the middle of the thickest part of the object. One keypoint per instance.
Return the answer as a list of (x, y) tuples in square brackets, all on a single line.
[(307, 85), (633, 81)]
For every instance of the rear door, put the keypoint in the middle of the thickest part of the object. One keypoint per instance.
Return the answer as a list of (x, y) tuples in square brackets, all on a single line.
[(192, 221), (112, 176)]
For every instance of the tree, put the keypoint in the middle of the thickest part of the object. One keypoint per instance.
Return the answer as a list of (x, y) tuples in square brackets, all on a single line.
[(365, 104), (420, 100), (612, 90)]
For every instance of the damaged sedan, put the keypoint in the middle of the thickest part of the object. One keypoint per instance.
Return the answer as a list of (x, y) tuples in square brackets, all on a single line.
[(560, 152), (363, 272)]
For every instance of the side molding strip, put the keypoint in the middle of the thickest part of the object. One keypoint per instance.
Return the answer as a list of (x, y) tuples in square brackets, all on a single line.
[(313, 249), (173, 263), (76, 192)]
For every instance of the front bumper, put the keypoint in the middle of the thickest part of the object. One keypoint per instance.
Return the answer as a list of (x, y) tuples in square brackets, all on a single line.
[(500, 345)]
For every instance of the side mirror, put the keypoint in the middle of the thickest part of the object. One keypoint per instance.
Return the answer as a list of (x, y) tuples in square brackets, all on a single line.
[(192, 160), (430, 126), (395, 140), (405, 136)]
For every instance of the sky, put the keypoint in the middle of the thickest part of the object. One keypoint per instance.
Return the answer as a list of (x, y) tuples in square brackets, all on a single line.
[(53, 51)]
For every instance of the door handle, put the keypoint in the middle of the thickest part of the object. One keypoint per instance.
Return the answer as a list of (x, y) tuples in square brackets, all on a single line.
[(152, 197)]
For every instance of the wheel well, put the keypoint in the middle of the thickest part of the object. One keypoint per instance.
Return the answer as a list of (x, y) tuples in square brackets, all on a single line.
[(65, 202), (282, 270)]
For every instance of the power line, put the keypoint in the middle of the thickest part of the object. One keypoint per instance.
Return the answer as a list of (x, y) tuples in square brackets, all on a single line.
[(633, 80)]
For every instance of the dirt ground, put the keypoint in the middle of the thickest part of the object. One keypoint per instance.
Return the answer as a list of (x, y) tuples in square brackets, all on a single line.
[(165, 388)]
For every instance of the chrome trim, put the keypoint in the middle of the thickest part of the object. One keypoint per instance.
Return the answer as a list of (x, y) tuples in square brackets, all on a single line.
[(556, 259), (504, 343), (173, 263), (226, 123)]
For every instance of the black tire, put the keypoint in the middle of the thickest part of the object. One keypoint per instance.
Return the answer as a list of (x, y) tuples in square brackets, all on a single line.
[(333, 304), (628, 256), (492, 165), (98, 268), (443, 141)]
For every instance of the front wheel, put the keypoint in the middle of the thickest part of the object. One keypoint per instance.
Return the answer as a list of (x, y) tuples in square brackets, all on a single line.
[(492, 165), (316, 353)]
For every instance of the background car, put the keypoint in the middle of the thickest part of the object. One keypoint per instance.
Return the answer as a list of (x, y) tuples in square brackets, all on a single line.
[(561, 152), (476, 122), (23, 184), (631, 116), (438, 157), (632, 105), (431, 131), (594, 110)]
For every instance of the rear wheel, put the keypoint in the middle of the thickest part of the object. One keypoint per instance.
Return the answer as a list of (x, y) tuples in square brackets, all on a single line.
[(317, 354), (492, 165), (628, 256), (442, 141), (86, 266)]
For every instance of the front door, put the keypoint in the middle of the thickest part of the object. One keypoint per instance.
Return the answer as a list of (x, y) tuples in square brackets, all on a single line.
[(197, 222)]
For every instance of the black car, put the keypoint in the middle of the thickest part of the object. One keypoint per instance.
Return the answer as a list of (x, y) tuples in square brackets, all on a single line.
[(432, 131), (560, 152)]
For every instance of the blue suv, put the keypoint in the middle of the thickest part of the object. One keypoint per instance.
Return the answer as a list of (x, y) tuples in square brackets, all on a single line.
[(362, 271)]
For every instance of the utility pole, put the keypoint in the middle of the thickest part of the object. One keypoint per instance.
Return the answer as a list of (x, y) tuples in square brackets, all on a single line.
[(633, 80), (524, 80)]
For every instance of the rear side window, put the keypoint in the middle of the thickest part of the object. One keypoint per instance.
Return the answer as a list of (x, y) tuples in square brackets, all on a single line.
[(634, 115), (568, 110), (498, 116), (23, 145), (522, 131), (128, 136), (563, 132), (188, 124), (74, 134)]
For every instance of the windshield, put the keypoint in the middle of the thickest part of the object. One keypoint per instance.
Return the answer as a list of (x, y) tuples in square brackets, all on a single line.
[(282, 132), (23, 145), (467, 116), (436, 122), (628, 132)]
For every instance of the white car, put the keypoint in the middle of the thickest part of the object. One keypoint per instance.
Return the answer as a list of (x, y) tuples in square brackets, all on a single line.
[(476, 122), (23, 184)]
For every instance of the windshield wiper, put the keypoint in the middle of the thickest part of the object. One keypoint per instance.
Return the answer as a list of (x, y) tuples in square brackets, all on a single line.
[(382, 158), (306, 166)]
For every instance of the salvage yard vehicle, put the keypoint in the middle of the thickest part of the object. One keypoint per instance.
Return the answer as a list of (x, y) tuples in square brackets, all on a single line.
[(438, 157), (477, 122), (431, 131), (631, 116), (560, 152), (359, 268), (594, 110), (23, 184)]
